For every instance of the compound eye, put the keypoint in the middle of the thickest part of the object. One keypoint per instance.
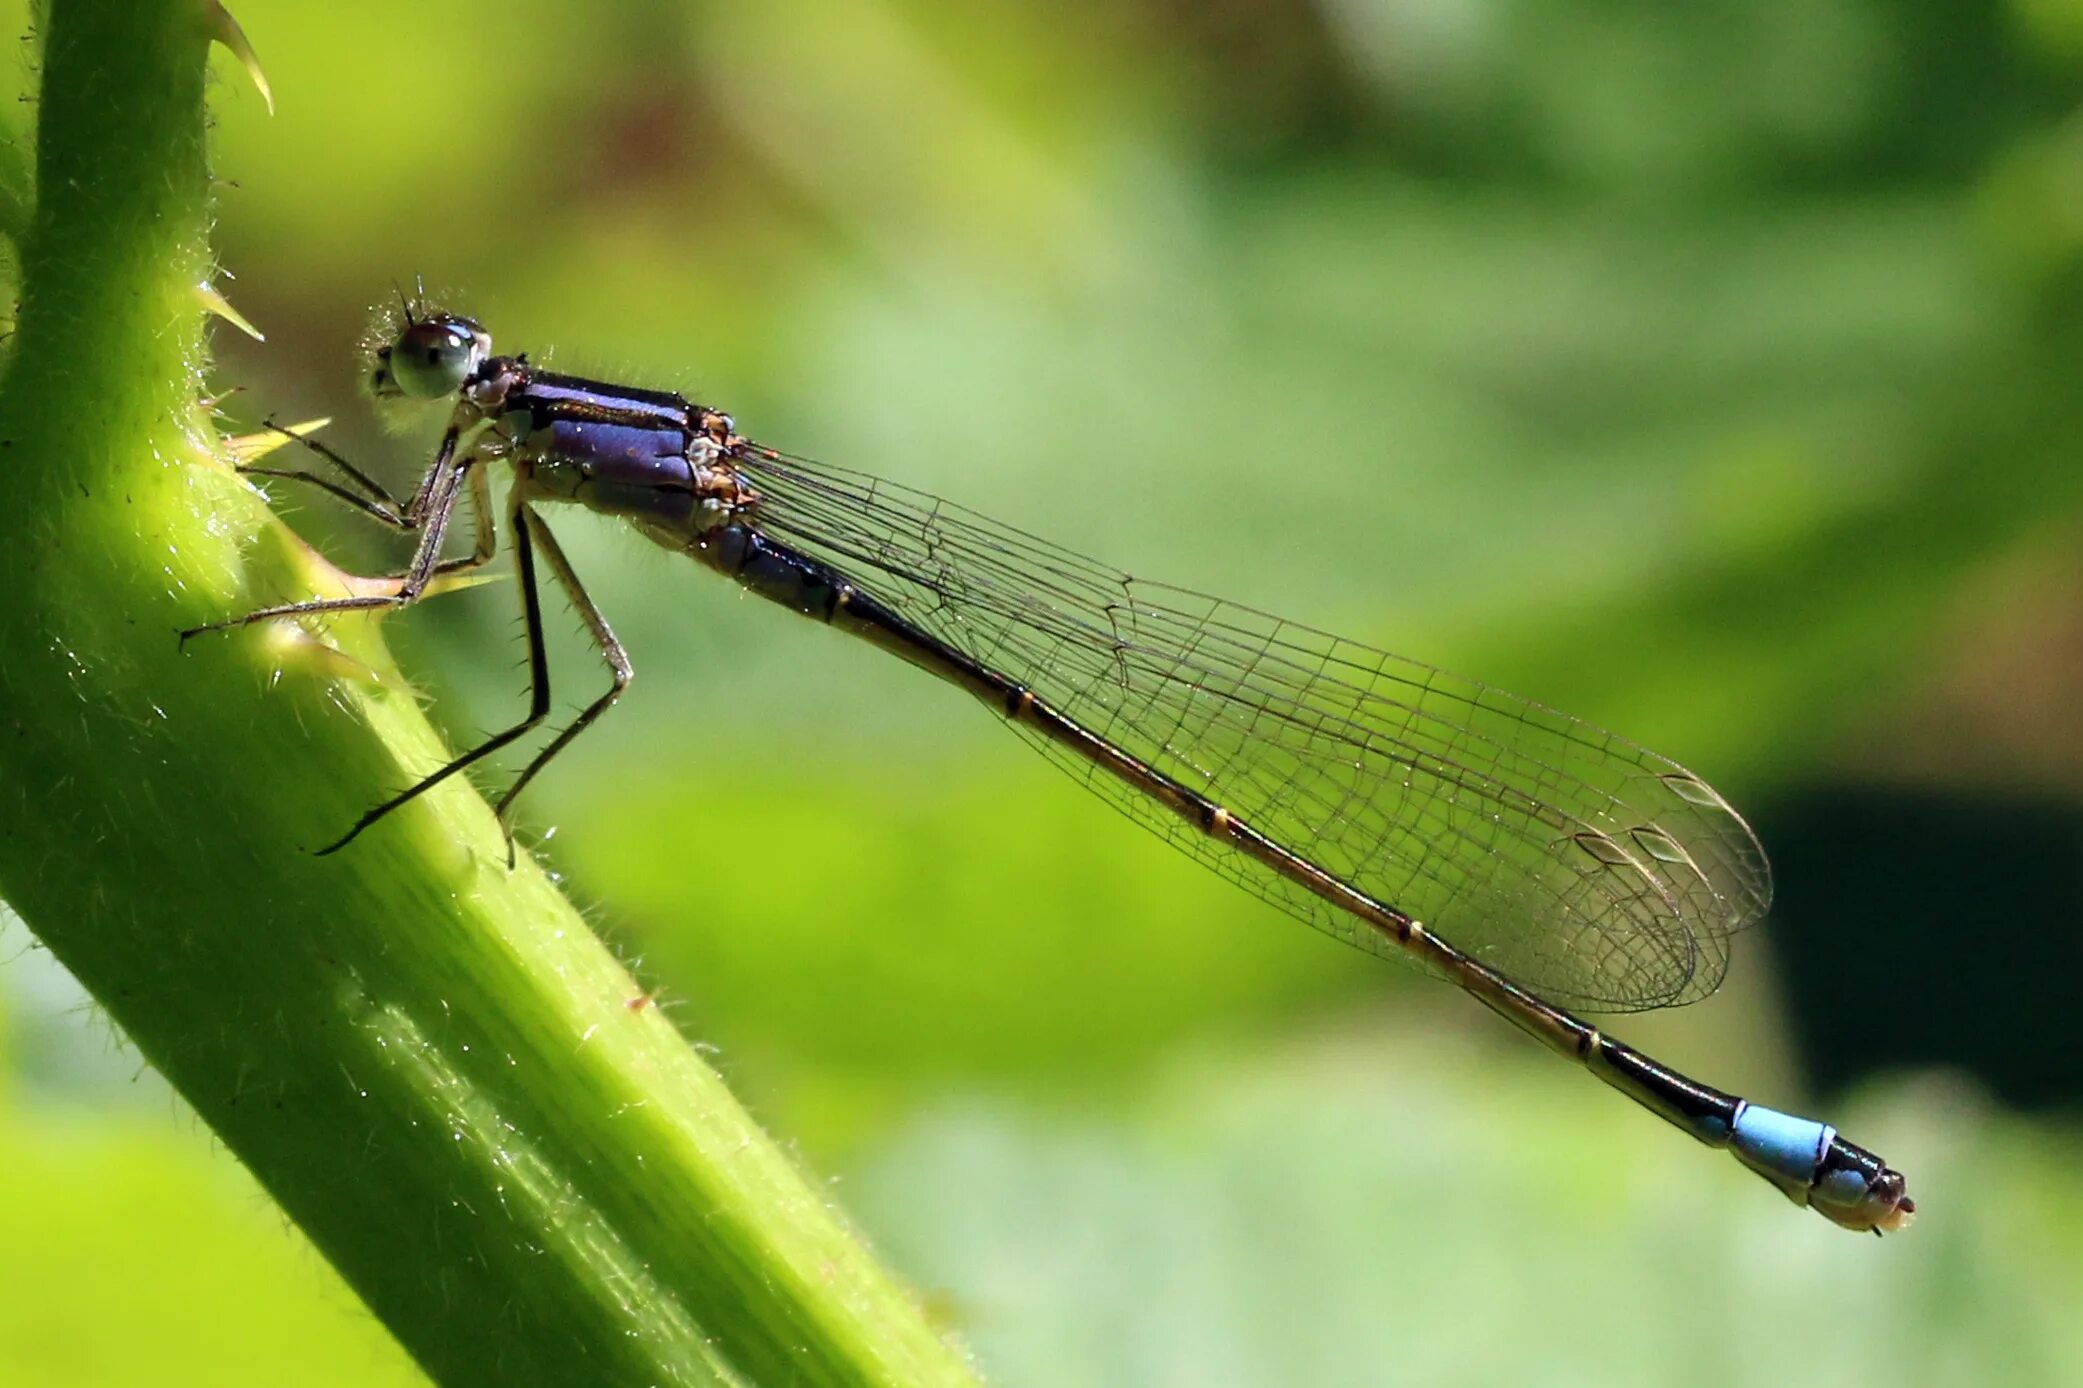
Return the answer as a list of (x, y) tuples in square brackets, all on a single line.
[(434, 357)]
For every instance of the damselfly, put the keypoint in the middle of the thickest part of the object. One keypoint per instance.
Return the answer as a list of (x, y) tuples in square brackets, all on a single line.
[(1534, 861)]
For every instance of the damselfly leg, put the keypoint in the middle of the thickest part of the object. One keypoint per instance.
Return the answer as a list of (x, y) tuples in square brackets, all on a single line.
[(372, 499), (444, 483), (430, 513), (619, 668), (367, 495)]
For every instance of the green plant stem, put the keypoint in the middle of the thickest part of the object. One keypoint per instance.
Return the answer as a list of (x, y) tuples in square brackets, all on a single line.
[(427, 1058)]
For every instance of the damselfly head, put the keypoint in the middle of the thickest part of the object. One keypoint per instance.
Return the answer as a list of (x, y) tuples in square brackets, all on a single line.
[(431, 356)]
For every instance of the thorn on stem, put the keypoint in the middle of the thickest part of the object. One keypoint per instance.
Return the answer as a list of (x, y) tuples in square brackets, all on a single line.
[(225, 30)]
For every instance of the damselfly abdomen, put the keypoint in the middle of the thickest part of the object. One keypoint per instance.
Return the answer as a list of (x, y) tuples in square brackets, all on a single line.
[(1534, 861)]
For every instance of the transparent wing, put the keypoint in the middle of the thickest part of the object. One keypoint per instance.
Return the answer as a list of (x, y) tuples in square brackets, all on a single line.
[(1582, 866)]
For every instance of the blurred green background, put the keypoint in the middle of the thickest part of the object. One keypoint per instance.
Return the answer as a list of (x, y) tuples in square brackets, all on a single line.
[(1710, 371)]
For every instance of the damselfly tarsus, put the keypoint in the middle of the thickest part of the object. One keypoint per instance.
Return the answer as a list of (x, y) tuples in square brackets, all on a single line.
[(1361, 792)]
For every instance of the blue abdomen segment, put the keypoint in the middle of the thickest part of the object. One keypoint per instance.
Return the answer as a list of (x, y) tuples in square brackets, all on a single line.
[(1785, 1150)]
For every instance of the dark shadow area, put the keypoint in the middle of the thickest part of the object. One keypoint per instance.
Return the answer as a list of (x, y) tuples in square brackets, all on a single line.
[(1926, 927)]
